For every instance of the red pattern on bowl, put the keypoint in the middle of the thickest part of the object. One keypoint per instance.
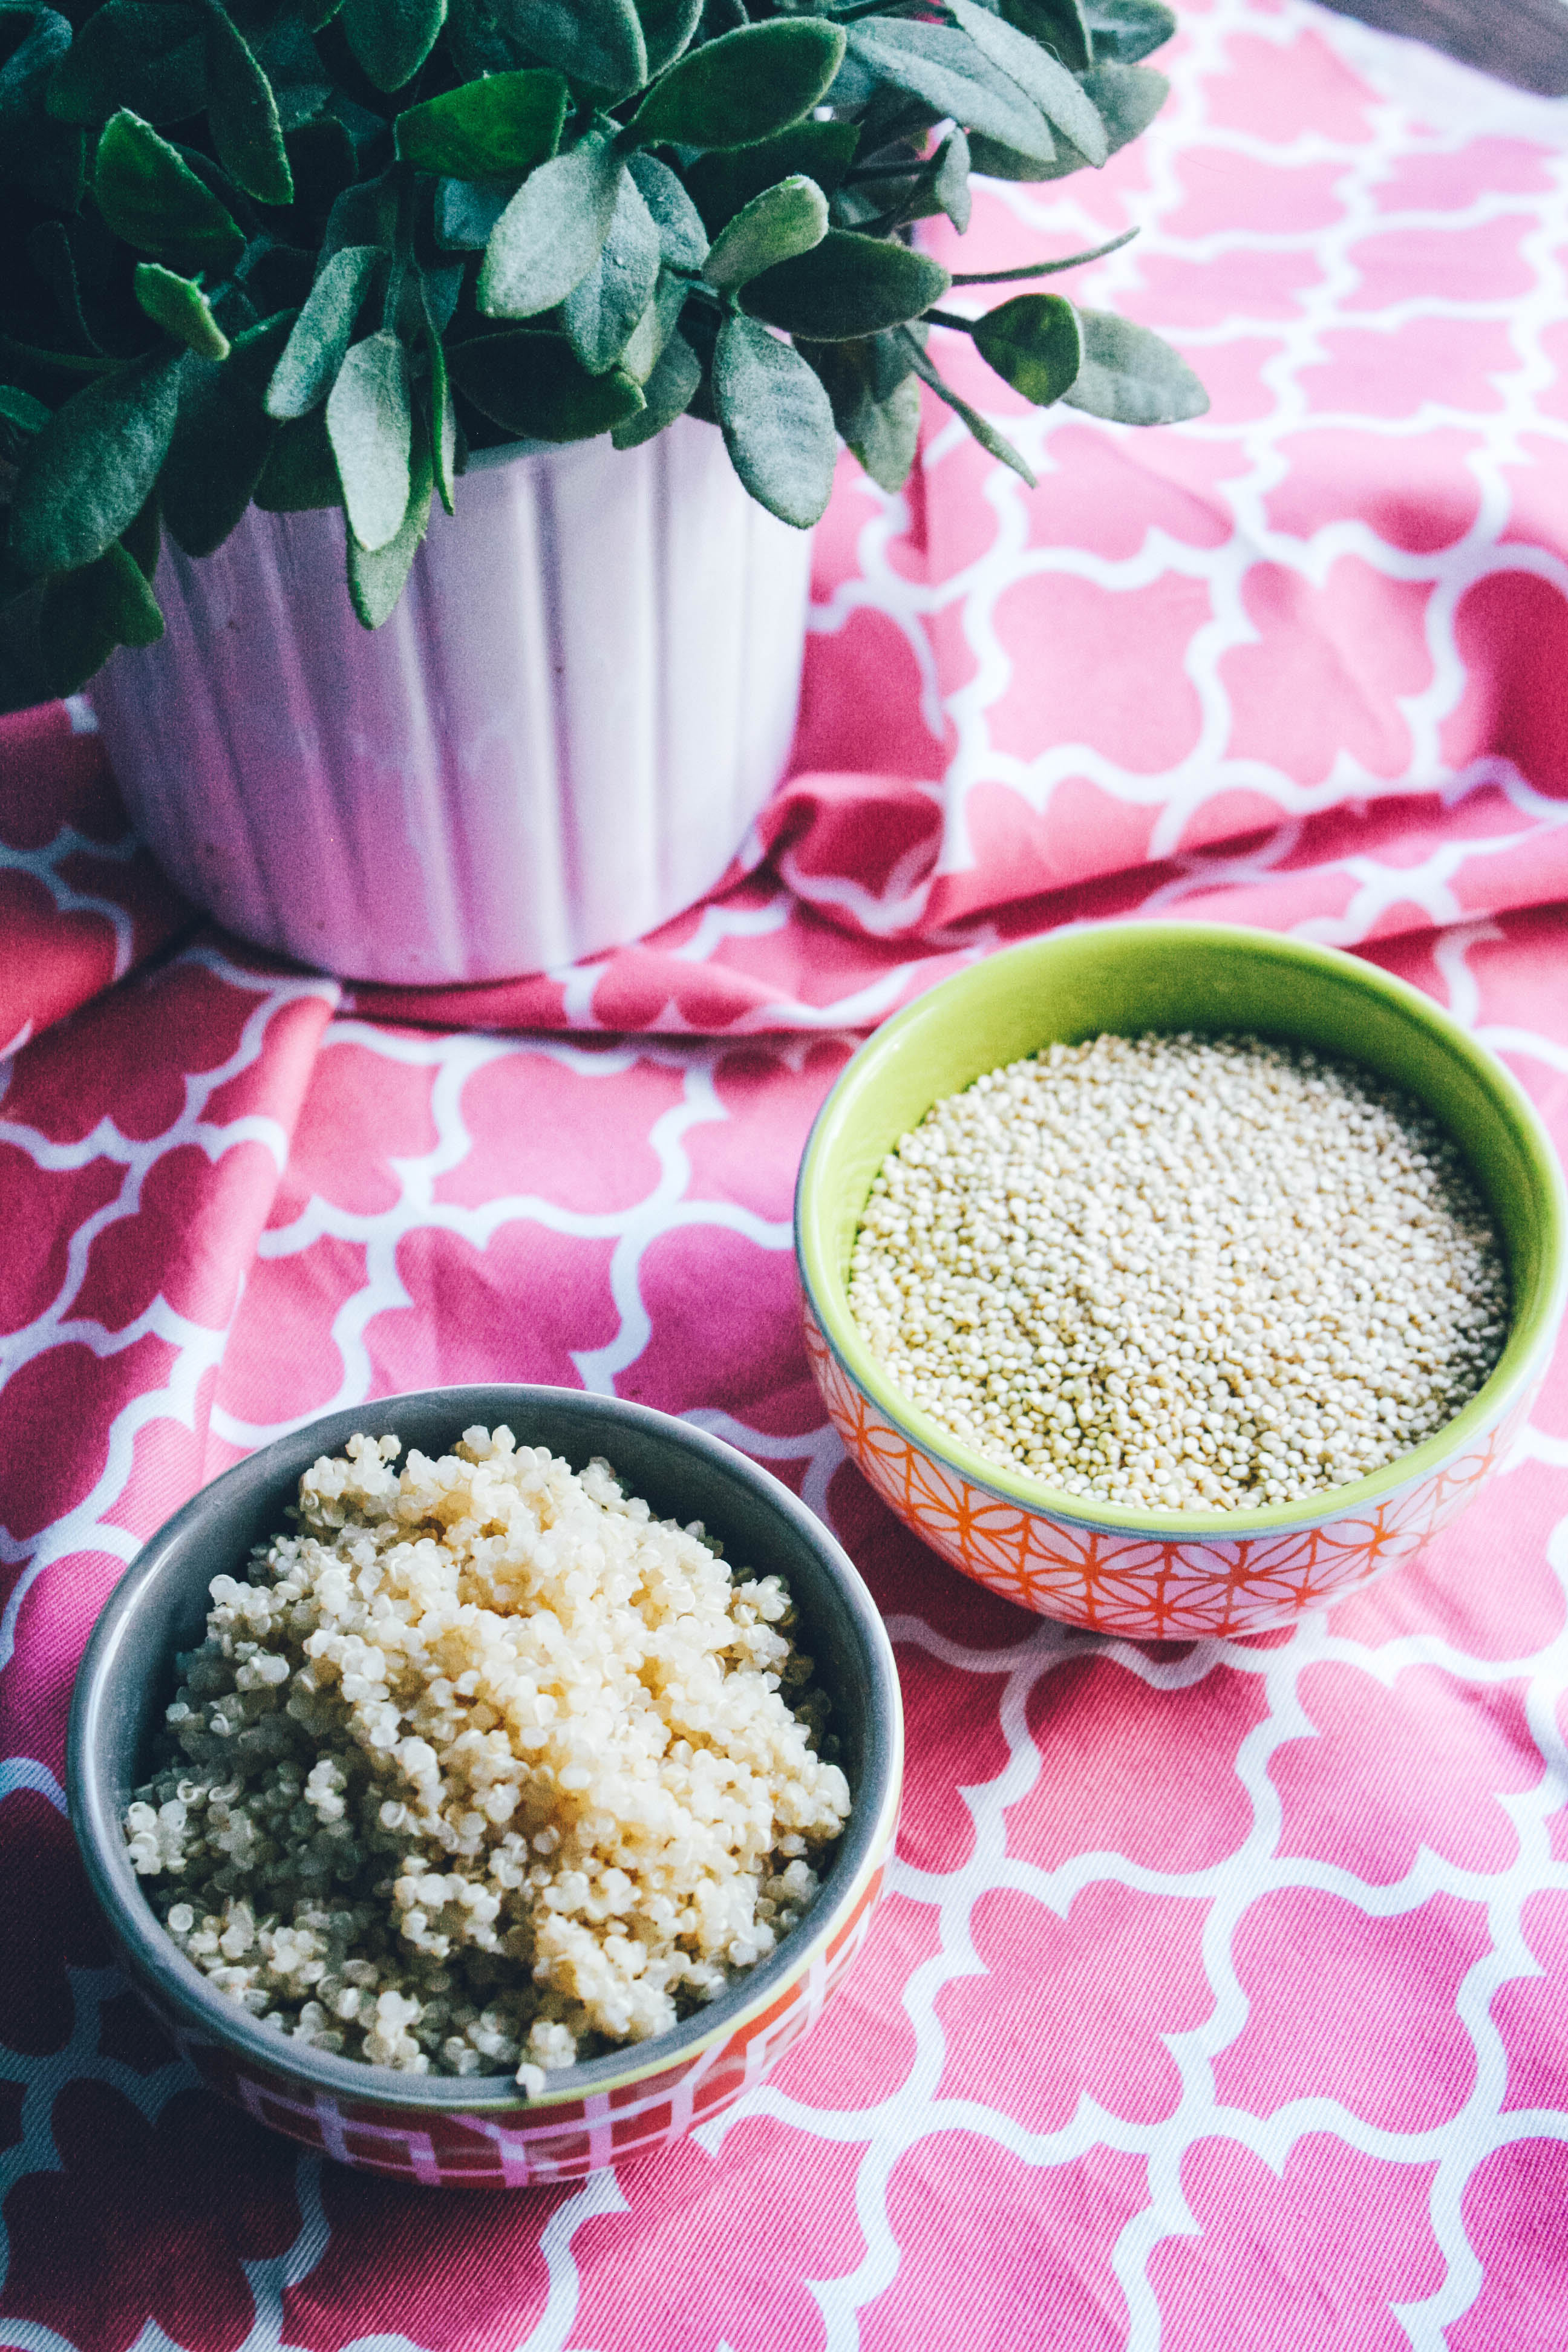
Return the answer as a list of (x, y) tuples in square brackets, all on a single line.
[(530, 2147), (1144, 1585)]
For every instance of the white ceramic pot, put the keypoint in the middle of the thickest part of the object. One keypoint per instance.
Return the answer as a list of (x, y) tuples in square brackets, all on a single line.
[(557, 742)]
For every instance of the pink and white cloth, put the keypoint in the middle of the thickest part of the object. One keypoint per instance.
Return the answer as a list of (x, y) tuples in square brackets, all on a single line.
[(1221, 2003)]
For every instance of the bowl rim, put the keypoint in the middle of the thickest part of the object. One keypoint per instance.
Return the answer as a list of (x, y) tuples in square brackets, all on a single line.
[(828, 1307), (152, 1958)]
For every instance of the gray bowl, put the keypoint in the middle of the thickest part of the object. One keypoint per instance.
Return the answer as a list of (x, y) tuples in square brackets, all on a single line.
[(478, 2130)]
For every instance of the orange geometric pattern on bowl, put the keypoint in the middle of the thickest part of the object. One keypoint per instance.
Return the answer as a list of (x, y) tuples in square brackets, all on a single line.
[(1142, 1583), (526, 2146)]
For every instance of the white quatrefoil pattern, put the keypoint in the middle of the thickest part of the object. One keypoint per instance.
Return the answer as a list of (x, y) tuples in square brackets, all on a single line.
[(1218, 1997)]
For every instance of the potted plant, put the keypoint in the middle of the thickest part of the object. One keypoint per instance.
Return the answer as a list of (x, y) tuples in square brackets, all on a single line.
[(288, 279)]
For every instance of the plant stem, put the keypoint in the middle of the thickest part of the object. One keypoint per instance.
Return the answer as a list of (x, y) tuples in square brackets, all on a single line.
[(889, 171), (866, 8), (1042, 268), (71, 363)]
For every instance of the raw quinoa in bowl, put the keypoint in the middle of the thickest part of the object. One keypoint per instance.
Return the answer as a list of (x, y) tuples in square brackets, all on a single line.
[(1182, 1273), (1172, 1278)]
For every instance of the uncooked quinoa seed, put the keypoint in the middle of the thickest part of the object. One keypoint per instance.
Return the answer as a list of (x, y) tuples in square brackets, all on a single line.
[(485, 1768), (1182, 1273)]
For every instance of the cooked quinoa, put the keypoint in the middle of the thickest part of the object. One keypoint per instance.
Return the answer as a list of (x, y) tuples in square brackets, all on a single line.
[(1182, 1273), (485, 1768)]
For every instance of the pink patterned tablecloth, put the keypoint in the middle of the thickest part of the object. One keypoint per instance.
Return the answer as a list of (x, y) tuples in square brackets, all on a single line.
[(1221, 1999)]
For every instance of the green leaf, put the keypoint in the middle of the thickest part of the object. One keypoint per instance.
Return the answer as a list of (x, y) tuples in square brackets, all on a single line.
[(438, 392), (995, 444), (19, 408), (128, 596), (314, 352), (86, 614), (875, 406), (533, 385), (273, 277), (255, 353), (42, 157), (392, 39), (97, 262), (376, 577), (142, 537), (90, 470), (15, 406), (682, 240), (847, 286), (371, 427), (1131, 376), (722, 183), (602, 310), (1059, 24), (443, 284), (220, 445), (508, 122), (995, 160), (32, 41), (178, 305), (1127, 99), (667, 29), (1126, 31), (137, 621), (213, 179), (656, 326), (365, 214), (153, 199), (299, 473), (950, 187), (475, 43), (783, 221), (744, 86), (1055, 91), (668, 393), (242, 116), (858, 91), (777, 422), (468, 210), (300, 83), (887, 436), (859, 375), (150, 57), (945, 69), (550, 235), (599, 42), (321, 159), (1034, 344)]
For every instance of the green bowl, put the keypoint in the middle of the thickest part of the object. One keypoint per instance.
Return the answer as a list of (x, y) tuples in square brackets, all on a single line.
[(1144, 1573)]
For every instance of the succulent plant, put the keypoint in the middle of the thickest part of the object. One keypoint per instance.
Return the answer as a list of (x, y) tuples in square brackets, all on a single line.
[(317, 252)]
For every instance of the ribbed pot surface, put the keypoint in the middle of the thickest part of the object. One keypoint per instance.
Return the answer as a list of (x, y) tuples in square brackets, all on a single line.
[(557, 742)]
